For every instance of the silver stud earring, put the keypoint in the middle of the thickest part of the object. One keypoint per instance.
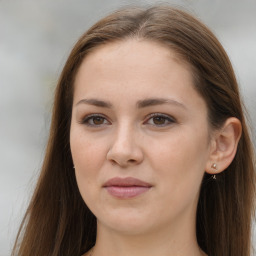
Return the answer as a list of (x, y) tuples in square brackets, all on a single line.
[(214, 166)]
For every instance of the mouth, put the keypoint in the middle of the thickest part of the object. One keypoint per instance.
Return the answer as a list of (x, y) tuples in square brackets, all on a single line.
[(126, 187)]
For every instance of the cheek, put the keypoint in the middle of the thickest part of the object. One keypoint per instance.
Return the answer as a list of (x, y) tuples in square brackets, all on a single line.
[(180, 151), (180, 161), (88, 158), (86, 153)]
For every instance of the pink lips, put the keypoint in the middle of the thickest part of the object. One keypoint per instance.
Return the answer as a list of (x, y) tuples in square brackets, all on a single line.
[(126, 187)]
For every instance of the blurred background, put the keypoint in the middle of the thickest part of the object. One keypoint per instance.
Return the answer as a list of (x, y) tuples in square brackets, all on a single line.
[(35, 40)]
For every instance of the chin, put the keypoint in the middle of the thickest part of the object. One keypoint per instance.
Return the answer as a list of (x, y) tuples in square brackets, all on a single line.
[(128, 224)]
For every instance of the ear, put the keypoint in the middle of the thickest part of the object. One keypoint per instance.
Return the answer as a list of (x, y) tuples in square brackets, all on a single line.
[(224, 146)]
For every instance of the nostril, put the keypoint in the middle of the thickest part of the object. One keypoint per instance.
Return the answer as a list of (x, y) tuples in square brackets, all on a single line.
[(113, 162), (131, 161)]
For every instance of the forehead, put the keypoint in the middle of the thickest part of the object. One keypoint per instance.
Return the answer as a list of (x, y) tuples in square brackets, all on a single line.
[(133, 56), (131, 50), (134, 68)]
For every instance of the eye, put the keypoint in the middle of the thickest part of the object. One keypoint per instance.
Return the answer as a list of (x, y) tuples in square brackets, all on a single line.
[(95, 120), (157, 119)]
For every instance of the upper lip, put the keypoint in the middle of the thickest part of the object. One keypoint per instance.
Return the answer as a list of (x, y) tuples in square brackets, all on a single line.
[(126, 182)]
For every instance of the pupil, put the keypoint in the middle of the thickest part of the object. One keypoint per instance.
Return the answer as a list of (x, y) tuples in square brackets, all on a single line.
[(159, 120), (98, 120)]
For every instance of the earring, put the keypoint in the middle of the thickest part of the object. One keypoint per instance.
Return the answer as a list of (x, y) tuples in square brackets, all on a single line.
[(74, 167), (214, 166)]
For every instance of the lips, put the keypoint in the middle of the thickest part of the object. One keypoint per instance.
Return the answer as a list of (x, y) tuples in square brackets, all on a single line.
[(126, 187), (126, 182)]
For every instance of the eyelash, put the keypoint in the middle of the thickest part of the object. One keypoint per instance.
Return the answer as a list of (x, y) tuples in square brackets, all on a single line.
[(89, 118), (168, 120)]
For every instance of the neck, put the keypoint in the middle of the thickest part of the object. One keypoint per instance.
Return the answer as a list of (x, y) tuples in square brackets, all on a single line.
[(174, 241)]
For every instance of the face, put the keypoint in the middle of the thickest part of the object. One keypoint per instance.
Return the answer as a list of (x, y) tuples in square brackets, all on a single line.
[(139, 137)]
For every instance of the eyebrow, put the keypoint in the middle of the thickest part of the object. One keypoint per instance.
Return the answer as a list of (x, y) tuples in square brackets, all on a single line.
[(140, 104), (95, 102), (158, 101)]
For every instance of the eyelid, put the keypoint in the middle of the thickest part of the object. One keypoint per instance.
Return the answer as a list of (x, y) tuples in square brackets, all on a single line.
[(85, 120), (171, 119)]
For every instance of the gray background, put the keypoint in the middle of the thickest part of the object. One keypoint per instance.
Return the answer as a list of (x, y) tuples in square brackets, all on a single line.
[(35, 39)]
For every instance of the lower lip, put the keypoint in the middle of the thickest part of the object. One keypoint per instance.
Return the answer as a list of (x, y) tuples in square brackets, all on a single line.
[(126, 192)]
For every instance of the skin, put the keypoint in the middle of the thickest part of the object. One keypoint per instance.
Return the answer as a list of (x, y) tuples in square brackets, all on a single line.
[(170, 151)]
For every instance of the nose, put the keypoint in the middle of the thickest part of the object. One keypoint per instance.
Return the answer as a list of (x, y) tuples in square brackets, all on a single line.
[(125, 149)]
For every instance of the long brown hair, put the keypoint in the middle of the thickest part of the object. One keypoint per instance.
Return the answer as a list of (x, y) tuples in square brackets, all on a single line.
[(58, 222)]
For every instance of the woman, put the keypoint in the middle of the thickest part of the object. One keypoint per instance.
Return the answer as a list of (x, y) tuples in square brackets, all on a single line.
[(149, 152)]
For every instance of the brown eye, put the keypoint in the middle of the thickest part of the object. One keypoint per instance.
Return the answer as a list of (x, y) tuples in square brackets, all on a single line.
[(159, 120), (95, 120), (98, 120)]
